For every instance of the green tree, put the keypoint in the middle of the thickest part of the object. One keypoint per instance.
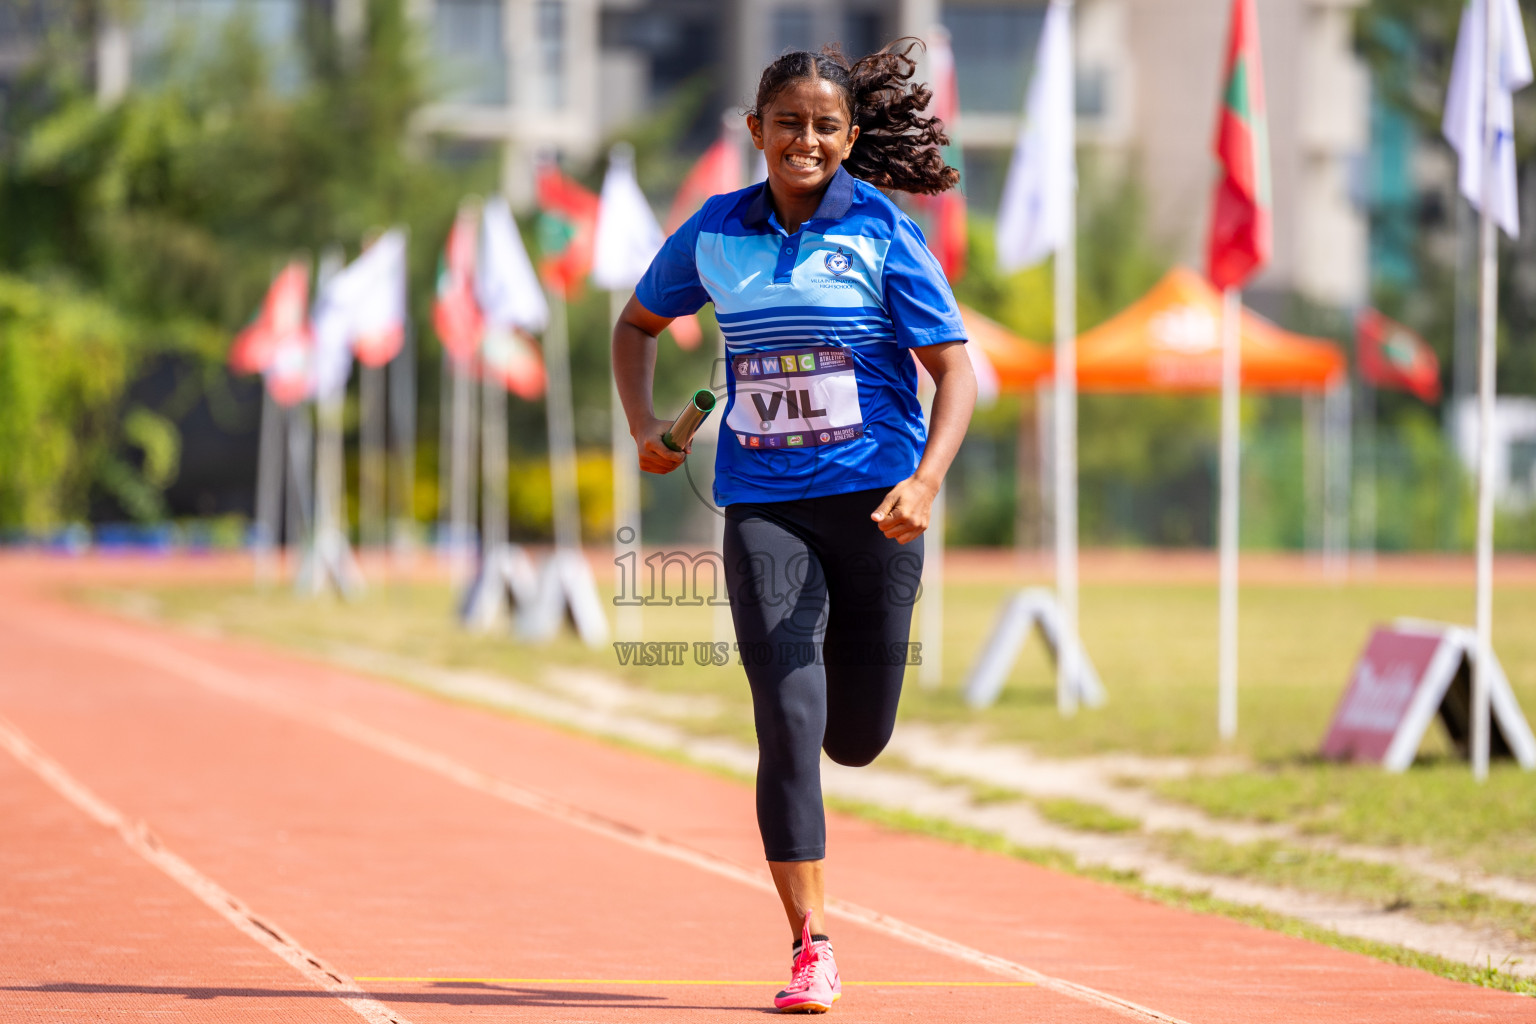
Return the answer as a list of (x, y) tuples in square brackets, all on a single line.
[(173, 206)]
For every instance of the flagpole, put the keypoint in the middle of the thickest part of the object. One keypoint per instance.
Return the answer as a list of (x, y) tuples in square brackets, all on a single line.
[(461, 472), (1065, 299), (1368, 485), (1338, 477), (1045, 428), (402, 405), (626, 497), (370, 473), (300, 505), (493, 498), (1311, 500), (269, 484), (330, 556), (445, 450), (1486, 383), (1231, 373), (562, 429)]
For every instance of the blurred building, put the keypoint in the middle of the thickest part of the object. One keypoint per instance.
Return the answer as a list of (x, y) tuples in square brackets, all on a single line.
[(1148, 79), (528, 76)]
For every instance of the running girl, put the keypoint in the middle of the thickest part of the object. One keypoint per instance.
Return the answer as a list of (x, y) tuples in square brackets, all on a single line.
[(825, 291)]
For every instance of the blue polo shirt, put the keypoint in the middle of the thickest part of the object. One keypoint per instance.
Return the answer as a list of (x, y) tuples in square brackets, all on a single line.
[(821, 390)]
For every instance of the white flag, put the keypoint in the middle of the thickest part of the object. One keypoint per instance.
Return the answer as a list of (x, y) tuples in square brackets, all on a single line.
[(361, 304), (1463, 124), (505, 284), (1032, 219), (628, 234)]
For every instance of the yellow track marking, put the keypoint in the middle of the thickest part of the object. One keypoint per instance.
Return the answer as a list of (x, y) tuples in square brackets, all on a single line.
[(671, 981)]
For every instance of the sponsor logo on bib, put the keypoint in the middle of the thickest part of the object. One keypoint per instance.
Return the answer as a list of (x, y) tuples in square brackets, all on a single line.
[(795, 399)]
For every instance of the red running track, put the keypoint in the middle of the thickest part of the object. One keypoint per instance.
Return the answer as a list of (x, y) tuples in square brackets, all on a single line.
[(198, 829)]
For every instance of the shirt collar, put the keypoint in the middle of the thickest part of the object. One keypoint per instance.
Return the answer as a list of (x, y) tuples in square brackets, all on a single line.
[(836, 201)]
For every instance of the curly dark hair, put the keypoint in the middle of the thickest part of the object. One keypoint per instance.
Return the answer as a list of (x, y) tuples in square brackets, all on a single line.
[(898, 148)]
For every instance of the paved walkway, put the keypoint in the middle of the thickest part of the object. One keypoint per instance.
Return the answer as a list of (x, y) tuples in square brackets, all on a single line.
[(200, 829)]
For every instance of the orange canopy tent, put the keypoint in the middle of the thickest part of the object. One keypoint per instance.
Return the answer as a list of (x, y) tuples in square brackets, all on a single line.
[(1170, 340), (1015, 364)]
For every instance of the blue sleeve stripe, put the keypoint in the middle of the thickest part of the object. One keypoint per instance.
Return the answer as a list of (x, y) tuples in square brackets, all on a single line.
[(772, 346), (810, 325), (773, 321), (802, 340), (824, 312)]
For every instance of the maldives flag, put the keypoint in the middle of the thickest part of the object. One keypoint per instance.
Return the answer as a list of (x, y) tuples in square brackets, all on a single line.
[(511, 358), (284, 313), (1392, 356), (290, 375), (946, 211), (1241, 233), (567, 230), (456, 314), (718, 171)]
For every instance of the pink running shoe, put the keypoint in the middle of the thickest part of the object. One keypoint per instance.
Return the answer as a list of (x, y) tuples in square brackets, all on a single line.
[(814, 985)]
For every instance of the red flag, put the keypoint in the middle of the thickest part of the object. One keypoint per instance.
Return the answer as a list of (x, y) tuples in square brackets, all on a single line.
[(718, 171), (512, 358), (946, 211), (1392, 356), (290, 375), (284, 312), (1241, 234), (456, 314), (377, 347), (567, 229)]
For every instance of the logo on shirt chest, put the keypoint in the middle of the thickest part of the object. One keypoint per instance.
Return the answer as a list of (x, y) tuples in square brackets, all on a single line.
[(839, 262)]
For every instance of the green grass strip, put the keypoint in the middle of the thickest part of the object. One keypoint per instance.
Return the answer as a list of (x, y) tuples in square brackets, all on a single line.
[(1436, 805), (1319, 871), (1083, 816)]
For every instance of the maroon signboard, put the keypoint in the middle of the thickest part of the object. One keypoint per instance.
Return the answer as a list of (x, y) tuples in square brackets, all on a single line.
[(1380, 693)]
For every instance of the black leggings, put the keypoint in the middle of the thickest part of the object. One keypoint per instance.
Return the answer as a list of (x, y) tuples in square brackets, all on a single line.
[(823, 607)]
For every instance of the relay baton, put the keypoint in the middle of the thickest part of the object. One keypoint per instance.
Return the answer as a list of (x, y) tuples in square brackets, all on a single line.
[(689, 420)]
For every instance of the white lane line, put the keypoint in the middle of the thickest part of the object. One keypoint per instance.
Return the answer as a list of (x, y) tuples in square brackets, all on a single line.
[(147, 845), (216, 678)]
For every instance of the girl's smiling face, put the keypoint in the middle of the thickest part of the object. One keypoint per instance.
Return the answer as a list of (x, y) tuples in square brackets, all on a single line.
[(805, 135)]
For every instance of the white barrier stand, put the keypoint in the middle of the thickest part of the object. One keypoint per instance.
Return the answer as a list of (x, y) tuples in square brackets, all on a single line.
[(566, 592), (1024, 612), (505, 581)]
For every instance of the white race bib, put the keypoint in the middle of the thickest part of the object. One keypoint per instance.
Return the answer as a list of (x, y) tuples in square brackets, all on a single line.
[(796, 399)]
